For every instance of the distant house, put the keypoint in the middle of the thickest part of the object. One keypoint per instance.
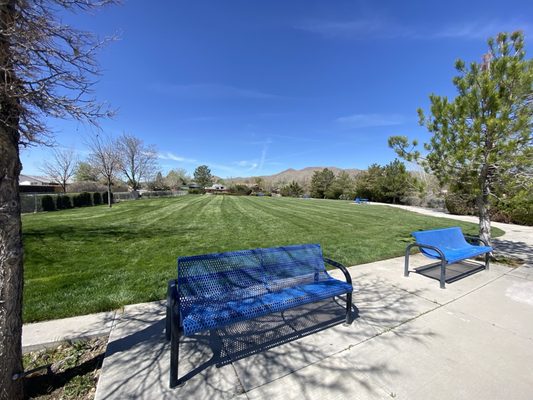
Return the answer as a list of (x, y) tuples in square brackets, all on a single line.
[(194, 185), (38, 184), (216, 189), (32, 180)]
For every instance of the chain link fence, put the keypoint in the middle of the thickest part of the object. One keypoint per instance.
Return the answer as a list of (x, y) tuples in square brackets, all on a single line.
[(32, 202)]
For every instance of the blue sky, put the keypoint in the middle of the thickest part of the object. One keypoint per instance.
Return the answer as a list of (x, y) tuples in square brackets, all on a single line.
[(255, 87)]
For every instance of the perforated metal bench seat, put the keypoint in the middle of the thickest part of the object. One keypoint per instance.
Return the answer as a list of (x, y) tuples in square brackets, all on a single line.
[(449, 246), (209, 315), (215, 290)]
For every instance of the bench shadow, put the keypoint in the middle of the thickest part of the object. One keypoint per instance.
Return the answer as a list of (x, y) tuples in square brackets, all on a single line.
[(244, 339), (249, 355)]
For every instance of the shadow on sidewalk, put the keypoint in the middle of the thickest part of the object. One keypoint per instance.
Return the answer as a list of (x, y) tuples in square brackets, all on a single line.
[(514, 250)]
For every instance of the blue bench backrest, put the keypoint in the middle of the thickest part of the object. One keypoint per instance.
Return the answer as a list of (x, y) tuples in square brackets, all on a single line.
[(445, 239), (248, 273)]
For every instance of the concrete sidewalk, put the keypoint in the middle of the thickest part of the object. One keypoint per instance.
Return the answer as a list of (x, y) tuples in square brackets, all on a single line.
[(410, 340)]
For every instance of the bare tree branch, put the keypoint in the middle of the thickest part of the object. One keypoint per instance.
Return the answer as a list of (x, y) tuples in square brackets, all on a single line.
[(62, 167), (105, 159), (138, 161)]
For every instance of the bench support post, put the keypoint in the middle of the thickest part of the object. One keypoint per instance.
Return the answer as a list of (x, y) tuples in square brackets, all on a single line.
[(349, 308), (173, 331), (406, 265), (174, 353), (443, 274)]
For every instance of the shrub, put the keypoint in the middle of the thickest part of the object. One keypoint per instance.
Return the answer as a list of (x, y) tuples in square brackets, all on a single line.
[(76, 200), (460, 204), (104, 198), (411, 201), (63, 202), (47, 203), (346, 196), (85, 199), (239, 190), (518, 209), (434, 202), (97, 198), (196, 191)]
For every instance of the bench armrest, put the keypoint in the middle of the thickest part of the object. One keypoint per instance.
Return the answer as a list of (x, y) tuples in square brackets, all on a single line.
[(341, 267), (476, 239), (427, 246)]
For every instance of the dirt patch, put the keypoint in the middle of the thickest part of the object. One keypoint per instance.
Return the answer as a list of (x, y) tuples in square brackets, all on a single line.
[(68, 371)]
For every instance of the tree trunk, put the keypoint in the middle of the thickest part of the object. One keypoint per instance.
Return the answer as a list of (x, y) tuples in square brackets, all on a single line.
[(484, 217), (109, 194), (11, 270), (11, 276)]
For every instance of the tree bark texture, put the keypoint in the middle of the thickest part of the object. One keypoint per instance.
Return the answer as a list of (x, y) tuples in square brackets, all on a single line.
[(11, 270), (484, 218), (109, 202)]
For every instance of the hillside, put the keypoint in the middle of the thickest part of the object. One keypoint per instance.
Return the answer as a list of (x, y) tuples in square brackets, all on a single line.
[(302, 176)]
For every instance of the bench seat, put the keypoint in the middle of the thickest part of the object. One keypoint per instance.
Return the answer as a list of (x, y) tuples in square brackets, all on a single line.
[(449, 246), (210, 315), (459, 254)]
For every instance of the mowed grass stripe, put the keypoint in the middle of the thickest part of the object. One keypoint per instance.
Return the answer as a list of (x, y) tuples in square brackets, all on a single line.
[(94, 259)]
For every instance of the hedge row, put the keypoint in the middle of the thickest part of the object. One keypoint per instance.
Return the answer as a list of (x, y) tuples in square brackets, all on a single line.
[(517, 209), (65, 201)]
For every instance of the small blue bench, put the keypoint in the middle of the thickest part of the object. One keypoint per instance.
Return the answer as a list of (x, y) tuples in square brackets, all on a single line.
[(359, 200), (215, 290), (450, 246)]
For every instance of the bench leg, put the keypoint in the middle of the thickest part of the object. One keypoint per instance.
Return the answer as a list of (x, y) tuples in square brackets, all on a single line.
[(171, 293), (174, 353), (443, 274), (349, 308), (406, 265), (487, 260)]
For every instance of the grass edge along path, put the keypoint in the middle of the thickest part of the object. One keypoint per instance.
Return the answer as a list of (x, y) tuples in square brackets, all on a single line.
[(94, 259)]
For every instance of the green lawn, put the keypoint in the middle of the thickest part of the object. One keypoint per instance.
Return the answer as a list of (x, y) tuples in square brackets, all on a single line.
[(94, 259)]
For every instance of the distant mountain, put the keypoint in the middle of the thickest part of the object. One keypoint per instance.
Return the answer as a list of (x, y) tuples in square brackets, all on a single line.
[(302, 176)]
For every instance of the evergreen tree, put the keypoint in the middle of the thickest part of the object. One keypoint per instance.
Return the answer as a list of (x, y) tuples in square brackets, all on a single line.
[(484, 133), (202, 176), (321, 182)]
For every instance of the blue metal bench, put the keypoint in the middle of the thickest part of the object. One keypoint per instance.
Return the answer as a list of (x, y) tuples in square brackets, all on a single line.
[(215, 290), (450, 246), (359, 200)]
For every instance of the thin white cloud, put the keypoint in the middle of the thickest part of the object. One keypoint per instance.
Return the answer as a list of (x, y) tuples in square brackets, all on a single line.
[(355, 29), (211, 91), (387, 29), (370, 120), (478, 29), (171, 156), (264, 154), (248, 164)]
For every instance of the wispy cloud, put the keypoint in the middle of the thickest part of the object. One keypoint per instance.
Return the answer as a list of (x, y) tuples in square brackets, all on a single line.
[(264, 152), (210, 91), (370, 120), (358, 28), (171, 156), (249, 165), (388, 29), (478, 29)]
